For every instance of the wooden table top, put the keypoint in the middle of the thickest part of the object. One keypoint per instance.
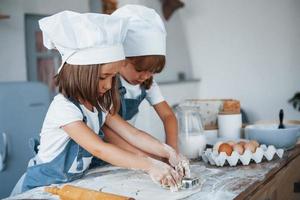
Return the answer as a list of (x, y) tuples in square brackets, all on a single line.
[(238, 182)]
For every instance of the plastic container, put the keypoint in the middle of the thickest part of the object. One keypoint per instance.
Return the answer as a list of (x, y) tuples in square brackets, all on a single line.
[(263, 152)]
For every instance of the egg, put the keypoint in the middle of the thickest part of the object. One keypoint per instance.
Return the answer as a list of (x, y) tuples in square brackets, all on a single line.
[(225, 148), (216, 146), (250, 146), (242, 143), (239, 148), (231, 142), (255, 143)]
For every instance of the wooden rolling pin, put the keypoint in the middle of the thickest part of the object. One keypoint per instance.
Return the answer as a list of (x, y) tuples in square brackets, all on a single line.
[(70, 192)]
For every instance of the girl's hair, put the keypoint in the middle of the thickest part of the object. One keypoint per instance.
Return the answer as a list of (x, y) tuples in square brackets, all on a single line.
[(82, 82), (152, 63)]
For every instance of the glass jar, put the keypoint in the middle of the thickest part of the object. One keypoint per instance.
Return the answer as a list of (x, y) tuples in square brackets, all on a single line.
[(191, 138)]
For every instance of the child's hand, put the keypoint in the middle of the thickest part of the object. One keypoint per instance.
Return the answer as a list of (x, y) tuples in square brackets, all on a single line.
[(183, 166), (179, 162), (164, 174)]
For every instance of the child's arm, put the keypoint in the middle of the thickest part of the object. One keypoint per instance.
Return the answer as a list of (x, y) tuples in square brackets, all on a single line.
[(86, 138), (90, 141), (170, 123), (116, 139), (146, 142), (136, 137)]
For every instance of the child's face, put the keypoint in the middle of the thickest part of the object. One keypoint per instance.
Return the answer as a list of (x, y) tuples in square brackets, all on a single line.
[(133, 76), (107, 72)]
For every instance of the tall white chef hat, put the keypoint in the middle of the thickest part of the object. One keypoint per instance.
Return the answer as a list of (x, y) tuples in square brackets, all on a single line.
[(85, 39), (146, 33)]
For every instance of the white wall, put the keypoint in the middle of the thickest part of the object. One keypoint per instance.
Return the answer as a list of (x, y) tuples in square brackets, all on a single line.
[(244, 50), (248, 50), (12, 35)]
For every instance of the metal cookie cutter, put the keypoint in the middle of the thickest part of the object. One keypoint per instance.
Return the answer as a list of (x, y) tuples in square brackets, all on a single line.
[(188, 183)]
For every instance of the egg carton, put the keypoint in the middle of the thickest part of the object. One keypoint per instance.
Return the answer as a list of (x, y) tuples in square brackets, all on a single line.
[(262, 152)]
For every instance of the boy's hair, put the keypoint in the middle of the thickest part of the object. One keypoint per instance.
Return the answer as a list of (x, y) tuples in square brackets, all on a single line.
[(152, 63), (82, 82)]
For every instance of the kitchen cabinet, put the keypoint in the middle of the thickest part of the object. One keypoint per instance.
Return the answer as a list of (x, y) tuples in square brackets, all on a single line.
[(282, 182), (281, 185), (23, 106)]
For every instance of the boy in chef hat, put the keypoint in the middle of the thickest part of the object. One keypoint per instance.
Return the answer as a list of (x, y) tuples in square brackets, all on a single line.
[(145, 50), (91, 49)]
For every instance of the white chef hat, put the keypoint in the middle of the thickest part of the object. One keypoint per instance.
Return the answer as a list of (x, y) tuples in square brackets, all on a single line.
[(146, 33), (84, 39)]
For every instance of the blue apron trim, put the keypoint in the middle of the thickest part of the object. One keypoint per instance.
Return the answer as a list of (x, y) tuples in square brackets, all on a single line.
[(129, 106), (61, 168), (100, 132)]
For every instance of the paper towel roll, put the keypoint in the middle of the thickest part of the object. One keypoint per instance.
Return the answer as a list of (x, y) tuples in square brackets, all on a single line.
[(230, 126)]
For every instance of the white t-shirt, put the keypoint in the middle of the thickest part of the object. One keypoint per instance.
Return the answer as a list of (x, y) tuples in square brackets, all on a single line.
[(62, 112), (153, 94)]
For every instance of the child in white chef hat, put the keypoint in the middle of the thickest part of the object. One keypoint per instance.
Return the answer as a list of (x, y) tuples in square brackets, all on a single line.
[(92, 52), (145, 50)]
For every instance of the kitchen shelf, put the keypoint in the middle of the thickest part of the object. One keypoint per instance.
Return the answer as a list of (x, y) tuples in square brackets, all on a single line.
[(4, 16), (188, 80)]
